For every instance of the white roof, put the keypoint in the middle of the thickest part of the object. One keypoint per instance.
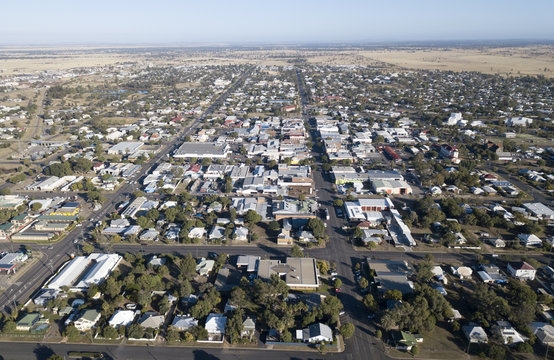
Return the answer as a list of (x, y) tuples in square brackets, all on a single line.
[(122, 318), (215, 323), (104, 264)]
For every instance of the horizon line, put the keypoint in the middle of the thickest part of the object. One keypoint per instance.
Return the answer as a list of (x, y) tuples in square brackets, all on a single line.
[(176, 44)]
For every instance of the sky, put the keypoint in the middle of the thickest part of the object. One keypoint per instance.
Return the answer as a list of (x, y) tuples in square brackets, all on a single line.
[(29, 22)]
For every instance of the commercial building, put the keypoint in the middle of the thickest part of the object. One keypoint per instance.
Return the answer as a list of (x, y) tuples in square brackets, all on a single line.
[(83, 271), (391, 275), (202, 150), (125, 147), (298, 273)]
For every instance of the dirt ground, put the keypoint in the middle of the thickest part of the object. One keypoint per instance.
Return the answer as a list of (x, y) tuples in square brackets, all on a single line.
[(514, 61), (525, 60)]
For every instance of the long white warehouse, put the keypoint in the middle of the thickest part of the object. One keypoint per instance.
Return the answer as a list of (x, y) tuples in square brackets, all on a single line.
[(83, 271)]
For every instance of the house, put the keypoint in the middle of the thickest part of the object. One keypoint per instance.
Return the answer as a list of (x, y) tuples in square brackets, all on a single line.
[(87, 320), (475, 334), (519, 121), (27, 322), (151, 319), (183, 323), (247, 262), (248, 326), (508, 334), (316, 333), (529, 240), (122, 318), (544, 332), (521, 270), (215, 325), (404, 340), (197, 233), (217, 233), (241, 233), (204, 266), (491, 274)]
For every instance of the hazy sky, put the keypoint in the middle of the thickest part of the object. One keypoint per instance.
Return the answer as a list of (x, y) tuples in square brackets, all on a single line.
[(242, 21)]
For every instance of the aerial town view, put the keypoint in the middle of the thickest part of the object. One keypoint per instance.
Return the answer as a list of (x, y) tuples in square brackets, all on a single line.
[(291, 180)]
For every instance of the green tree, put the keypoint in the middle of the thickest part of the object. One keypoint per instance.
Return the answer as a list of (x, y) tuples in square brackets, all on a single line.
[(393, 295), (316, 226), (296, 251), (110, 333), (71, 333), (363, 283), (274, 226), (87, 248), (347, 330), (9, 326), (370, 303), (337, 283), (252, 217)]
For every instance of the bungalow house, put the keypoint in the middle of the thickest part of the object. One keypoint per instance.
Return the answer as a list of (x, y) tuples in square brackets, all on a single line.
[(475, 334), (404, 340), (183, 323), (508, 334), (197, 233), (204, 266), (249, 326), (544, 332), (215, 326), (241, 233), (521, 270), (529, 240), (151, 319), (87, 320), (316, 333), (27, 322), (217, 233), (122, 318)]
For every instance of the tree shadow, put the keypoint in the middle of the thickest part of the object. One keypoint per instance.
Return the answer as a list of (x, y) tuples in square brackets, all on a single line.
[(43, 352), (202, 355)]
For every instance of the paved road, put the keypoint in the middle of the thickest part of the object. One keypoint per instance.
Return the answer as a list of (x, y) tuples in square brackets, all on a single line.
[(28, 351)]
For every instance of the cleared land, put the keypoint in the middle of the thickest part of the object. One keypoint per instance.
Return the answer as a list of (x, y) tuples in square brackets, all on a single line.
[(530, 60), (524, 60)]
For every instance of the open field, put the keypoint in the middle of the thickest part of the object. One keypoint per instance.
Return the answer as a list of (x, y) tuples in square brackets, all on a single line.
[(525, 60), (530, 60)]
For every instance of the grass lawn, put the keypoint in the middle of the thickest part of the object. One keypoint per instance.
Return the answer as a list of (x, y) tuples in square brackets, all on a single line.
[(439, 344)]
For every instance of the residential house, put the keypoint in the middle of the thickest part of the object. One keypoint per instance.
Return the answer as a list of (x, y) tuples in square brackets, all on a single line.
[(475, 334), (204, 266), (27, 322), (529, 240), (215, 325), (183, 323), (249, 326), (521, 270), (87, 320), (508, 334), (122, 318), (317, 333), (151, 319)]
